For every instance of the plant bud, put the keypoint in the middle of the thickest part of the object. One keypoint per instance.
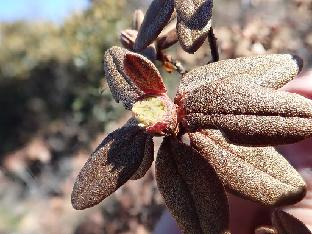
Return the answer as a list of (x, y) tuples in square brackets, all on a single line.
[(157, 114), (127, 38)]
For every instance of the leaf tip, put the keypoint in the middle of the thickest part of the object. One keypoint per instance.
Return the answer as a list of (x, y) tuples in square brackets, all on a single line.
[(296, 195), (76, 200), (299, 62)]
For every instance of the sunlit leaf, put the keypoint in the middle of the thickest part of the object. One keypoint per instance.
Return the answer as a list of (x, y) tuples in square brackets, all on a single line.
[(112, 164), (256, 173), (121, 86), (272, 71), (249, 113)]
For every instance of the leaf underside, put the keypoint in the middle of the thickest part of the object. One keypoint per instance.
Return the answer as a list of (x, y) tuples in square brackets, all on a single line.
[(256, 173), (144, 74), (112, 164), (191, 190), (156, 18), (248, 113), (288, 224)]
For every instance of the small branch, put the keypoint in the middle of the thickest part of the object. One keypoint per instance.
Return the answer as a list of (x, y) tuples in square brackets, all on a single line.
[(213, 46)]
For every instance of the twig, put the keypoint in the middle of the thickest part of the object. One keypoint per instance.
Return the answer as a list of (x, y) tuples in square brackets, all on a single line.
[(213, 46)]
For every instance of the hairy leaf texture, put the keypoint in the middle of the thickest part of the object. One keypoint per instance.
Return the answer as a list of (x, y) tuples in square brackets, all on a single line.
[(112, 164), (191, 189), (193, 22), (156, 18), (288, 224), (147, 160), (249, 113), (272, 71), (144, 74), (256, 173), (121, 86)]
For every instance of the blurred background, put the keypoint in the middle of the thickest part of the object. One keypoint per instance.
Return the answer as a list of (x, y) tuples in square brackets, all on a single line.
[(56, 106)]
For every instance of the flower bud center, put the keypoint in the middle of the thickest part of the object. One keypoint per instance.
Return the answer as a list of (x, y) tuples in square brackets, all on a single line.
[(149, 111)]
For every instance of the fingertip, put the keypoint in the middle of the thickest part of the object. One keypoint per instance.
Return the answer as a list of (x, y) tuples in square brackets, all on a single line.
[(301, 85)]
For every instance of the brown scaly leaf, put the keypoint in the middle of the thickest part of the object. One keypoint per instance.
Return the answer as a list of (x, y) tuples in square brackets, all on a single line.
[(265, 230), (156, 18), (121, 86), (193, 22), (272, 71), (147, 160), (167, 40), (288, 224), (112, 164), (191, 189), (144, 74), (248, 113), (256, 173)]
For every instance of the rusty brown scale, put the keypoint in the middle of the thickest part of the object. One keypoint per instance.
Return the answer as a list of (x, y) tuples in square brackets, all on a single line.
[(193, 22), (233, 114)]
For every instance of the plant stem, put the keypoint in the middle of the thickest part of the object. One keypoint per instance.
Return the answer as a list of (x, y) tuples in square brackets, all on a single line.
[(213, 46)]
